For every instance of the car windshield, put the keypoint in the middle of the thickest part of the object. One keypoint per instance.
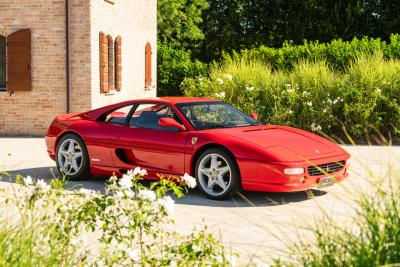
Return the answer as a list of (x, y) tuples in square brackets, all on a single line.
[(211, 115)]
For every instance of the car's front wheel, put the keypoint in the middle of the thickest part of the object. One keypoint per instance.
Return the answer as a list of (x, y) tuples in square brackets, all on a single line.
[(217, 174), (72, 157)]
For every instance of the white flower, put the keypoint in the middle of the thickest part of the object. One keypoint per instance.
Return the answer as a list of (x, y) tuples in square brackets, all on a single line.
[(31, 193), (125, 181), (133, 254), (28, 180), (130, 193), (309, 104), (335, 101), (44, 187), (378, 90), (86, 192), (189, 180), (119, 195), (139, 171), (220, 81), (228, 76), (168, 204), (147, 195), (305, 93), (325, 110), (290, 111), (249, 88), (315, 127), (220, 95), (288, 85)]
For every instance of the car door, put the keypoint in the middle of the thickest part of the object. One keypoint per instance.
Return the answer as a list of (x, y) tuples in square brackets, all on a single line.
[(143, 143)]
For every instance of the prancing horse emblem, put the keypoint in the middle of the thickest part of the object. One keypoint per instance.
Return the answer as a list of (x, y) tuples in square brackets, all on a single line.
[(194, 140)]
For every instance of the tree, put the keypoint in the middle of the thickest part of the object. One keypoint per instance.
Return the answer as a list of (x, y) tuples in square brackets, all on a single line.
[(178, 22)]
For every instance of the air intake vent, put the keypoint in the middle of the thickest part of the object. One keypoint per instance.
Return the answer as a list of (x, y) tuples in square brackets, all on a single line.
[(325, 168)]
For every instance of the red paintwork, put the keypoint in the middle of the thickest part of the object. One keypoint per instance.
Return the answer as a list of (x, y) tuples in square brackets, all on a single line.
[(261, 152)]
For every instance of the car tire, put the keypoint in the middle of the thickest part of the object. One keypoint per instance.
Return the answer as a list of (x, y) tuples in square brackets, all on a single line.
[(69, 147), (209, 177)]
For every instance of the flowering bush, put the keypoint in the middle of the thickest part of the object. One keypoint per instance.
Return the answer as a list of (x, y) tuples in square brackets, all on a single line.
[(47, 225), (312, 96)]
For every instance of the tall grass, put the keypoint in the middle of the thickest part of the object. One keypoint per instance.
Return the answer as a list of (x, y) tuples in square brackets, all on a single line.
[(312, 95), (370, 238)]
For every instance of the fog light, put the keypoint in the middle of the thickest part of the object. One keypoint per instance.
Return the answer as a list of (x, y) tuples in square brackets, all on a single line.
[(291, 171)]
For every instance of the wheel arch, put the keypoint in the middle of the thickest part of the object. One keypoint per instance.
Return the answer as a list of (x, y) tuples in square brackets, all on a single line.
[(64, 134), (203, 148)]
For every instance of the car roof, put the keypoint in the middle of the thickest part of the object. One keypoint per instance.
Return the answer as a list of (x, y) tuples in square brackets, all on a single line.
[(176, 99)]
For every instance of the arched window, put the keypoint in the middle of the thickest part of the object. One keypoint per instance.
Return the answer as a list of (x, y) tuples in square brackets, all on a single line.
[(3, 73), (110, 62), (147, 67)]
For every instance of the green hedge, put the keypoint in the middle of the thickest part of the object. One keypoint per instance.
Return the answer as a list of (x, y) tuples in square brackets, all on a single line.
[(172, 68), (338, 54), (312, 95)]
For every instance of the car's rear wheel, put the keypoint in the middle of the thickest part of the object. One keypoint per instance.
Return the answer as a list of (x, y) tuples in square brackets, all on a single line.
[(72, 157), (217, 174)]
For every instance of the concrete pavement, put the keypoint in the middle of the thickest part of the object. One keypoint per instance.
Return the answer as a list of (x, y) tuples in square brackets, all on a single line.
[(256, 225)]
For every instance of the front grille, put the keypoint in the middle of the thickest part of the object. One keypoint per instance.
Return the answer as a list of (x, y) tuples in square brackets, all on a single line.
[(325, 168)]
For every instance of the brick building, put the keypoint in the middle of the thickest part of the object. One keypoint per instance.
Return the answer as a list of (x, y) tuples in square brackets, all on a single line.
[(59, 56)]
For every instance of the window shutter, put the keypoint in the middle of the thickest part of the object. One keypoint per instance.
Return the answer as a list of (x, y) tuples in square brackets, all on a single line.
[(147, 70), (3, 73), (103, 63), (118, 63), (111, 58), (19, 76)]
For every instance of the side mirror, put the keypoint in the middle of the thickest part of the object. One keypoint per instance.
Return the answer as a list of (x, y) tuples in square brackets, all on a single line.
[(254, 116), (170, 122)]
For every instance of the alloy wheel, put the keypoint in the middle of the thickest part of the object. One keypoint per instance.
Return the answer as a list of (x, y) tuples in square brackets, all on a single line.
[(70, 157), (214, 174)]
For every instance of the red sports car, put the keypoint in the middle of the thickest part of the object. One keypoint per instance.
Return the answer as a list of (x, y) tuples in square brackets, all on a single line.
[(225, 149)]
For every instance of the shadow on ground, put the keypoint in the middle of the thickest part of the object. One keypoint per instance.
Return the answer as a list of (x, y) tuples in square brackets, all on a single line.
[(244, 199)]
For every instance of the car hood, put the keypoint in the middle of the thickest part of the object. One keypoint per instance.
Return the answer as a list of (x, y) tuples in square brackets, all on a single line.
[(289, 144)]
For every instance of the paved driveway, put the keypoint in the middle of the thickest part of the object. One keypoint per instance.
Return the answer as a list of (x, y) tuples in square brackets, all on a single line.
[(257, 225)]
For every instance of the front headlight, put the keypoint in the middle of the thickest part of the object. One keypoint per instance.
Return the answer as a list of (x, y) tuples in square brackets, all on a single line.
[(292, 171)]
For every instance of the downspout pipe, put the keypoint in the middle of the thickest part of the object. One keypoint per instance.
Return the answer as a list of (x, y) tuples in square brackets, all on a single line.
[(68, 52)]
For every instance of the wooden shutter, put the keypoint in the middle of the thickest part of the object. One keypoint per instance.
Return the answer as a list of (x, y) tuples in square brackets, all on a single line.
[(19, 76), (147, 67), (3, 73), (111, 58), (103, 41), (118, 63)]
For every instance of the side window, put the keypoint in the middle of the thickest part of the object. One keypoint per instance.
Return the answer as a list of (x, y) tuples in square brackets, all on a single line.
[(119, 116), (148, 115)]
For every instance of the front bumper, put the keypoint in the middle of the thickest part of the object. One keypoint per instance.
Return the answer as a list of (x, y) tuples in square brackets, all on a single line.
[(269, 177)]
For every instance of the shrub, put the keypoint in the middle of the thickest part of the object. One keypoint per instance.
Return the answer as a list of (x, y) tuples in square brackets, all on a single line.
[(312, 95), (173, 66), (51, 226), (338, 54)]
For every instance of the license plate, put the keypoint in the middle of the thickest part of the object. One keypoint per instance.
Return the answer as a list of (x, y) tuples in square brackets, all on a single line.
[(326, 181)]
